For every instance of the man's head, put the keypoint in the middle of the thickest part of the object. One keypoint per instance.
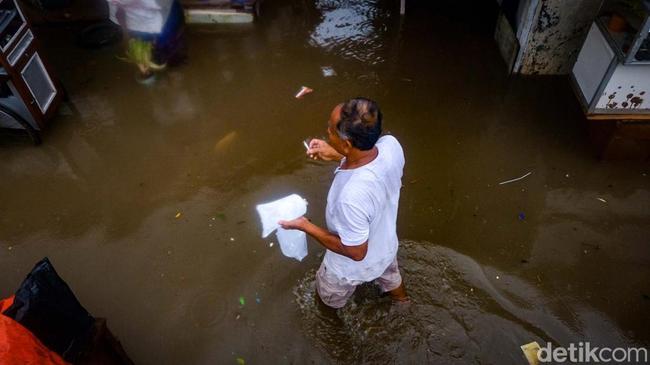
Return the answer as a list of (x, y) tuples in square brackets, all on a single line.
[(355, 124)]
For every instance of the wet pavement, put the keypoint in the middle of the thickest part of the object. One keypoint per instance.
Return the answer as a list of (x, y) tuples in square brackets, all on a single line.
[(562, 255)]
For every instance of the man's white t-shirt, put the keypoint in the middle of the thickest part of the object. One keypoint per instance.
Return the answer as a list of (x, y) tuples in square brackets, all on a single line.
[(362, 206)]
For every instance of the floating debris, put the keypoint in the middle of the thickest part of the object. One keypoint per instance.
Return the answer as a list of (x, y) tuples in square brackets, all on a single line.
[(521, 216), (303, 91), (271, 244), (328, 71), (225, 141), (602, 200), (516, 179), (304, 143), (240, 361), (242, 301), (178, 215)]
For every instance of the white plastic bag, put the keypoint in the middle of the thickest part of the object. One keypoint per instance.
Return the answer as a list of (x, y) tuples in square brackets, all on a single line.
[(293, 243)]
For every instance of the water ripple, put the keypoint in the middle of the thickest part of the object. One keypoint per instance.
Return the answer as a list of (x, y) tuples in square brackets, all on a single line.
[(352, 29)]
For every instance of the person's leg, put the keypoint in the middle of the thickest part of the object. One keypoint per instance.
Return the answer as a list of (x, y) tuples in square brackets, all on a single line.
[(330, 290), (170, 43), (391, 282), (399, 294)]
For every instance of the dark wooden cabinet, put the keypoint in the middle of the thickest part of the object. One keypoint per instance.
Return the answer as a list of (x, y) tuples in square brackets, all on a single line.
[(28, 86)]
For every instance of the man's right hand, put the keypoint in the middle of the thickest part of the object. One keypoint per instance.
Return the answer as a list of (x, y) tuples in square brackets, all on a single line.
[(321, 150)]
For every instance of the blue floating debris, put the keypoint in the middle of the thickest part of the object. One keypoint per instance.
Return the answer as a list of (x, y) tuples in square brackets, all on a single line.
[(521, 216)]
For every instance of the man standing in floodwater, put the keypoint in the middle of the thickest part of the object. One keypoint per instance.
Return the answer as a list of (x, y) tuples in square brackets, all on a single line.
[(361, 235)]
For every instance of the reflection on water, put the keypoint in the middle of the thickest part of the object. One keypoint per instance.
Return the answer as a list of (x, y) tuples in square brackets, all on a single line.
[(352, 29)]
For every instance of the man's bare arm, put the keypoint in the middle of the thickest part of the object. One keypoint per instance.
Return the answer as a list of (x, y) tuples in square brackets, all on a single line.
[(331, 241), (321, 150)]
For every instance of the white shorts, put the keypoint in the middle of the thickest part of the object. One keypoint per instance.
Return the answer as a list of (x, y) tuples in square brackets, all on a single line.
[(335, 292)]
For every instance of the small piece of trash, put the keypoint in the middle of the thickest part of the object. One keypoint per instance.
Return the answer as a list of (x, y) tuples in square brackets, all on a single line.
[(516, 179), (530, 352), (10, 248), (497, 277), (257, 298), (238, 316), (602, 200), (271, 244), (232, 239), (242, 301), (240, 361), (328, 71), (521, 216), (225, 141), (178, 215), (303, 91), (567, 176)]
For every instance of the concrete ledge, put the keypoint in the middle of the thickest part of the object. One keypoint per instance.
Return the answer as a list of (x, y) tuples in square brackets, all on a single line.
[(220, 16)]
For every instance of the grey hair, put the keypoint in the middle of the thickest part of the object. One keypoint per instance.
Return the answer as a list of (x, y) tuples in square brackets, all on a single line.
[(360, 123)]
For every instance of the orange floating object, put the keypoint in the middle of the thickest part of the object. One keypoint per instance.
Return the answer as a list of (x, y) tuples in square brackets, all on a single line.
[(19, 346)]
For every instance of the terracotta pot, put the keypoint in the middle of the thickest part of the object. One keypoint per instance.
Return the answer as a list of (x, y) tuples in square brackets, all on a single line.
[(616, 23)]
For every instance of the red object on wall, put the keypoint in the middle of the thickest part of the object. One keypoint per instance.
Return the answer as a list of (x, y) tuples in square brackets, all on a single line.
[(19, 346)]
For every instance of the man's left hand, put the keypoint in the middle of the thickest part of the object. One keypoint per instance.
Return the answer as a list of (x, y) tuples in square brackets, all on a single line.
[(298, 223)]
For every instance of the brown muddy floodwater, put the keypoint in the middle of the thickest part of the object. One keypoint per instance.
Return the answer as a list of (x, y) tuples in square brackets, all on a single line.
[(489, 267)]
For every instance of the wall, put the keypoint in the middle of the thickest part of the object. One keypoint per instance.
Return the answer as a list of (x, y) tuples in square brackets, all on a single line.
[(559, 29)]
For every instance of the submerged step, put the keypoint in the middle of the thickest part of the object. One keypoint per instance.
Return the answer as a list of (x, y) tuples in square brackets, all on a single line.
[(212, 16)]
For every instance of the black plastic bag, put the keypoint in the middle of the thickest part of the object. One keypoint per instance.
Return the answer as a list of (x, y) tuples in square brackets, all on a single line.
[(46, 306)]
